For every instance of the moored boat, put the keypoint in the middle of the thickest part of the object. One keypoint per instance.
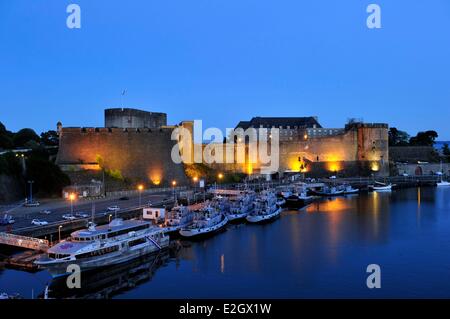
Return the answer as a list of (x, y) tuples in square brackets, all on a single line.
[(265, 208), (240, 207), (206, 220), (178, 217), (381, 187), (348, 189), (329, 191), (111, 244)]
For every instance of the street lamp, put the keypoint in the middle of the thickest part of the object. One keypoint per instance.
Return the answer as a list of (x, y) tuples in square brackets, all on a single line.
[(31, 191), (59, 233), (109, 218), (71, 198), (140, 188), (174, 183)]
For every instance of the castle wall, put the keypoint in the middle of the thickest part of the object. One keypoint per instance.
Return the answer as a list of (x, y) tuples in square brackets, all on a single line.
[(142, 155), (361, 150)]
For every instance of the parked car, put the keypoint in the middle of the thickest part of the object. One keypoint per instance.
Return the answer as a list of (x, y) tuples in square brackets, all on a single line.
[(124, 198), (81, 215), (7, 220), (46, 212), (38, 222), (68, 217), (113, 208)]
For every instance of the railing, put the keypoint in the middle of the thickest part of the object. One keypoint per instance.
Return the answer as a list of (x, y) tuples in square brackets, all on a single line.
[(146, 191), (23, 241)]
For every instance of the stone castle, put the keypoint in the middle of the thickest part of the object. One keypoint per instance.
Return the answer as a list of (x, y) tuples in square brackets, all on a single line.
[(137, 145)]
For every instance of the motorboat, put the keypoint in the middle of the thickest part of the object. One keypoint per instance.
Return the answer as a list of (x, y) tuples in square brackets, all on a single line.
[(115, 243), (206, 220), (265, 208)]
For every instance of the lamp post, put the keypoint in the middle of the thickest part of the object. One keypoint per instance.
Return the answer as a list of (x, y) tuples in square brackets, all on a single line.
[(31, 191), (140, 188), (174, 183), (109, 218), (59, 233), (71, 198), (219, 177)]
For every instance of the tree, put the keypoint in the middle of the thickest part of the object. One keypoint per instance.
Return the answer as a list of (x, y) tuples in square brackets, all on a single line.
[(446, 152), (25, 135), (48, 177), (6, 141), (424, 138), (397, 137), (50, 138)]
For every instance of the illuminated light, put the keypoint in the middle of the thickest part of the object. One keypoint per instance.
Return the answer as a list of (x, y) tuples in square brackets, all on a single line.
[(249, 168), (220, 176), (140, 187), (155, 176), (174, 183), (72, 196), (375, 167), (195, 179), (297, 166), (305, 137), (333, 166)]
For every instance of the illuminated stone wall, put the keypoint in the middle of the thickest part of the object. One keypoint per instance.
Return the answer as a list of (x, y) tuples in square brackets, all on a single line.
[(141, 155), (361, 150)]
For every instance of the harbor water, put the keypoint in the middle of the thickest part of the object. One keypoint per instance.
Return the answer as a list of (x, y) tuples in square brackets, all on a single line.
[(320, 251)]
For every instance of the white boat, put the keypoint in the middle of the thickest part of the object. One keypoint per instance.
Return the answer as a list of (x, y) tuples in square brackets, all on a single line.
[(178, 217), (348, 189), (381, 187), (442, 182), (330, 191), (265, 208), (206, 220), (240, 207), (111, 244)]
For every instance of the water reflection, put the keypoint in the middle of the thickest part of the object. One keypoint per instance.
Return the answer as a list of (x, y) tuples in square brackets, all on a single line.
[(109, 282), (320, 251)]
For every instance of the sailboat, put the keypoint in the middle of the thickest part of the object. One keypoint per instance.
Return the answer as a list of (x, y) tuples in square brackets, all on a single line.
[(442, 182)]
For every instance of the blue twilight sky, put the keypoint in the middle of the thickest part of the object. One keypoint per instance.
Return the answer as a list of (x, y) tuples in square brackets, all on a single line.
[(226, 60)]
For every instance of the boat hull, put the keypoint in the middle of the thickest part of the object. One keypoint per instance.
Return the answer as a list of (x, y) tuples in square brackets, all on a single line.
[(197, 232), (442, 184), (382, 189), (59, 269), (236, 217), (263, 218)]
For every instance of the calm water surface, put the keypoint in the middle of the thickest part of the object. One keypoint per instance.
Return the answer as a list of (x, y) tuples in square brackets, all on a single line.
[(321, 251)]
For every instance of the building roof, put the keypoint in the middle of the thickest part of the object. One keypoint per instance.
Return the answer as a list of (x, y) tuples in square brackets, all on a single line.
[(268, 122)]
